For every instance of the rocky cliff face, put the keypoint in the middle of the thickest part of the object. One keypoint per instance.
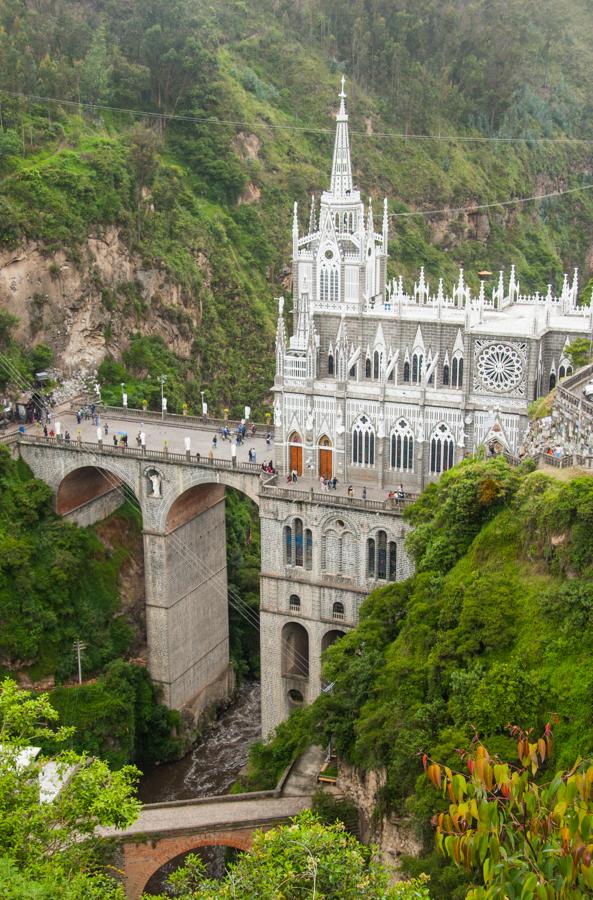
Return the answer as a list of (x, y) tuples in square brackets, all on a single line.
[(393, 835), (86, 304)]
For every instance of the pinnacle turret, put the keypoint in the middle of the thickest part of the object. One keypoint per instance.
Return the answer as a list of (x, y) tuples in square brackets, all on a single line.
[(341, 183)]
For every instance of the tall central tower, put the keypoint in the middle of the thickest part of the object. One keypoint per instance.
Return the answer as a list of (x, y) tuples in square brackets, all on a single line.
[(340, 261)]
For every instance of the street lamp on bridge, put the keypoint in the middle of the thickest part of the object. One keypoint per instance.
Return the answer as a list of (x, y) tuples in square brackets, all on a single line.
[(162, 379)]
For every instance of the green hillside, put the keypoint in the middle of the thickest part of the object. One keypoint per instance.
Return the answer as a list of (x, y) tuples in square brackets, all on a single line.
[(207, 198), (494, 629)]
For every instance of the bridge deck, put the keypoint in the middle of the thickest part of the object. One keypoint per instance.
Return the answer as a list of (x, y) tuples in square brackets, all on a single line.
[(204, 815), (162, 434)]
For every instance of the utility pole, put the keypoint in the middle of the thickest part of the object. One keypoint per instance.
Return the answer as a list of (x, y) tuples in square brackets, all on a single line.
[(79, 646)]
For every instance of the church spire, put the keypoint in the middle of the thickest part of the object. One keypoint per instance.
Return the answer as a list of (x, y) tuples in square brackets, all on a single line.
[(341, 183)]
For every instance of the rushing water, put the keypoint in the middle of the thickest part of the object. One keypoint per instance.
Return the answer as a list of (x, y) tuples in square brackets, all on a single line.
[(208, 770), (213, 765)]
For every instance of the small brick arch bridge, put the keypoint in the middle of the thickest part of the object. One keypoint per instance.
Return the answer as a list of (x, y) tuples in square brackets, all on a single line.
[(165, 830)]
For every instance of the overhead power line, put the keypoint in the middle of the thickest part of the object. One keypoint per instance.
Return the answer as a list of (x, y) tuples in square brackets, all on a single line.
[(306, 129), (478, 206)]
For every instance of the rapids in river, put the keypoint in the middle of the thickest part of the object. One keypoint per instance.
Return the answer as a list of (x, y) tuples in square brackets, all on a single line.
[(209, 769)]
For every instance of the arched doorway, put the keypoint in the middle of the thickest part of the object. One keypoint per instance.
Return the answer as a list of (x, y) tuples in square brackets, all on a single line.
[(326, 467), (295, 453)]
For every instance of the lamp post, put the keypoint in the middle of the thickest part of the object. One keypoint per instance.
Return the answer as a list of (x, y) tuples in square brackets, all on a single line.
[(162, 379)]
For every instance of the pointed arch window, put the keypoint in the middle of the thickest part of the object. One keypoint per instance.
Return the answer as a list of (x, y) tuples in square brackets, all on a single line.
[(352, 372), (367, 368), (363, 443), (338, 610), (402, 447), (376, 364), (407, 372), (330, 364), (417, 366), (564, 370), (446, 374), (552, 383), (298, 542), (381, 557), (442, 449), (457, 371)]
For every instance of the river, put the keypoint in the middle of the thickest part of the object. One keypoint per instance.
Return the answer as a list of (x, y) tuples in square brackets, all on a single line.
[(209, 769)]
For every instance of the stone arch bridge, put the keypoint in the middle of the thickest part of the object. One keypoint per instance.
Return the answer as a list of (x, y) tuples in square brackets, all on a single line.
[(182, 506), (316, 567)]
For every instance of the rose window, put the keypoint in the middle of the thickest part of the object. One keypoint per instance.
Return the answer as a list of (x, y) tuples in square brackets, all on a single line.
[(500, 367)]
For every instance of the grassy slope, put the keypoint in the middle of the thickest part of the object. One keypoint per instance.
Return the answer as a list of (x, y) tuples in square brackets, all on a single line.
[(494, 629)]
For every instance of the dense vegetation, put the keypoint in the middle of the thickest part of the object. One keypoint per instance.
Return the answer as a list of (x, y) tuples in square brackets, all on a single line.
[(208, 201), (493, 629), (50, 849), (58, 583)]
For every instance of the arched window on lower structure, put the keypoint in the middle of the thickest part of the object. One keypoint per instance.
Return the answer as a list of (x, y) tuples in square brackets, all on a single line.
[(363, 442), (381, 557), (330, 364), (446, 374), (402, 447), (308, 548), (442, 449), (298, 545), (406, 372), (338, 610), (295, 650), (367, 367), (294, 604)]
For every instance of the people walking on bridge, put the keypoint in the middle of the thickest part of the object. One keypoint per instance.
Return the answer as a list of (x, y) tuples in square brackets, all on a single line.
[(334, 482), (45, 432), (293, 475), (198, 457), (253, 455), (364, 492), (268, 439), (350, 492), (106, 429), (115, 440), (165, 446), (138, 440), (78, 417), (214, 442), (79, 437), (210, 455), (234, 453), (67, 436), (322, 483)]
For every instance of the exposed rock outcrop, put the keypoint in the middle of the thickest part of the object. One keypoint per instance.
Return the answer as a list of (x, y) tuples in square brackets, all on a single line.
[(85, 307), (393, 835)]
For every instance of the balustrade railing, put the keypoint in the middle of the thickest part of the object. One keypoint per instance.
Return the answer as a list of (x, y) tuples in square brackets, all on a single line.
[(187, 421), (120, 451)]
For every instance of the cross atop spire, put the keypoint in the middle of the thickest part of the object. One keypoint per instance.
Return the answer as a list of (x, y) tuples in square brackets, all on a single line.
[(341, 183)]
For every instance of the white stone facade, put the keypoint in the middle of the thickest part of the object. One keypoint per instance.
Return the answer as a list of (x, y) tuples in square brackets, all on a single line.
[(435, 373), (380, 387)]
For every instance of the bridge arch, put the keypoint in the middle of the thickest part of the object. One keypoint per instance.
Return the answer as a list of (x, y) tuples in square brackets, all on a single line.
[(143, 860), (86, 485)]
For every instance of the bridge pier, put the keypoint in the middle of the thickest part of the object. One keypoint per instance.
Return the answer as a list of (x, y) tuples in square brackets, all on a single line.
[(186, 602)]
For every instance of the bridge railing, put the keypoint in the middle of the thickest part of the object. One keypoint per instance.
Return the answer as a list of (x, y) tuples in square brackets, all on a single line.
[(187, 421), (103, 449), (330, 499)]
